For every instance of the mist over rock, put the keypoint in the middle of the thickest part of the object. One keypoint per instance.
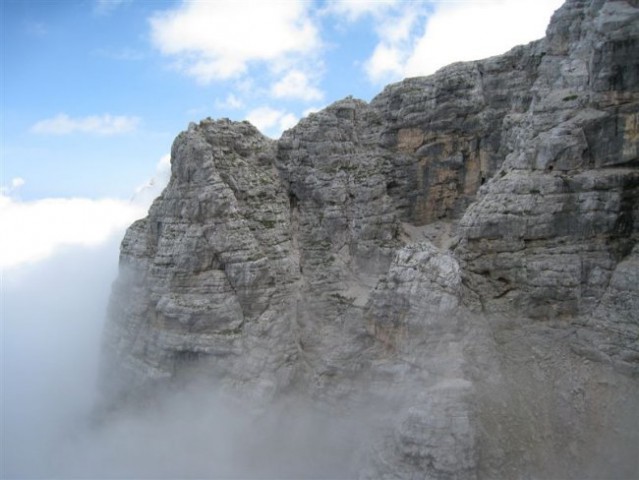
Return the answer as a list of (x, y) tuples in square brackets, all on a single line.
[(455, 264)]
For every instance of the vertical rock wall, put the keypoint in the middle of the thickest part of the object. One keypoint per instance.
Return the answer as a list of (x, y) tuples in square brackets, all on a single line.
[(462, 250)]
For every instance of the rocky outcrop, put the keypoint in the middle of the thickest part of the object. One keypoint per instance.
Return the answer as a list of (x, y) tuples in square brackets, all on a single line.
[(550, 228), (213, 261), (461, 250)]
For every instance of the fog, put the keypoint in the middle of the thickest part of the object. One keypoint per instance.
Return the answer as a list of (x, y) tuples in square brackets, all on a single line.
[(52, 317)]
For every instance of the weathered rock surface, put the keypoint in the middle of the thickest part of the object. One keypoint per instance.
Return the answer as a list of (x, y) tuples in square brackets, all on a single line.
[(461, 250)]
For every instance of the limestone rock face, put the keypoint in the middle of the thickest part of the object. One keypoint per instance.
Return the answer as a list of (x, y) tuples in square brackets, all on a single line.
[(417, 319), (461, 250), (445, 131), (211, 269), (547, 232), (611, 332)]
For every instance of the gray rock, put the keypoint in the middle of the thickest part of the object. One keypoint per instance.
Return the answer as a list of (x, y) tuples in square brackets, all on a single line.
[(461, 251), (611, 332), (548, 231), (210, 270)]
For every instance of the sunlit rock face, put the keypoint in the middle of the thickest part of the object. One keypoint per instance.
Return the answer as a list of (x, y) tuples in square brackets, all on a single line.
[(458, 257)]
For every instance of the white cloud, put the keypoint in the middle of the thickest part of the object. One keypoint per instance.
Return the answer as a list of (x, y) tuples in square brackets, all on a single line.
[(395, 24), (146, 193), (295, 84), (34, 230), (270, 121), (395, 30), (287, 121), (17, 182), (489, 28), (231, 102), (353, 10), (386, 63), (105, 124), (217, 40), (453, 31), (398, 27)]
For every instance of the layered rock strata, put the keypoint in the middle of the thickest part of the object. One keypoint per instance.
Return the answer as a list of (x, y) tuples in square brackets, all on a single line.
[(462, 249)]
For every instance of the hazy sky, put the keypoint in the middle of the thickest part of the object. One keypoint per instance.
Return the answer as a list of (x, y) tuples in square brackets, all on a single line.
[(94, 91)]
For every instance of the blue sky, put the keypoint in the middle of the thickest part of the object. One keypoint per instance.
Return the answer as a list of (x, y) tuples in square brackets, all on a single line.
[(94, 91)]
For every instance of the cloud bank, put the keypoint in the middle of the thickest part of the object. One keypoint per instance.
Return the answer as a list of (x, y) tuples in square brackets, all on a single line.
[(37, 229), (52, 316), (34, 230), (51, 428)]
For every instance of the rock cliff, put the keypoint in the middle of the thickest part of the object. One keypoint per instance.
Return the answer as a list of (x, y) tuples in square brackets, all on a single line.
[(462, 250)]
